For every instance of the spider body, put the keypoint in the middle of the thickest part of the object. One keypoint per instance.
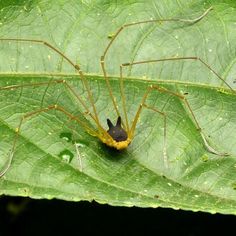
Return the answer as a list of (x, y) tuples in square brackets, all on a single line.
[(119, 137)]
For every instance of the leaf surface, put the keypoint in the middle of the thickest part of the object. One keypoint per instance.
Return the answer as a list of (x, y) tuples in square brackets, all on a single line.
[(46, 164)]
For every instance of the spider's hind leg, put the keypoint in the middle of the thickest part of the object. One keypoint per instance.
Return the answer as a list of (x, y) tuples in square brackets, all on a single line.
[(189, 110), (165, 157)]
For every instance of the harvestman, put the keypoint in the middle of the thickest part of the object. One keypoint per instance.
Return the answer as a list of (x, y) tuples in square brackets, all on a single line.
[(120, 135)]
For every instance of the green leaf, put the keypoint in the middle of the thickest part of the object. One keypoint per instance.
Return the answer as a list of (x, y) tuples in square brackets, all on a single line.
[(45, 162)]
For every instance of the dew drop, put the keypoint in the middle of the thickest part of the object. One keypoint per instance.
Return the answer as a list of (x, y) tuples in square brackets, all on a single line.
[(204, 158), (66, 156), (66, 136), (110, 36), (79, 145)]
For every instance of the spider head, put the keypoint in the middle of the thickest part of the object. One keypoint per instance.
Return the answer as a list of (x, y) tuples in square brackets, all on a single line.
[(119, 137), (117, 133)]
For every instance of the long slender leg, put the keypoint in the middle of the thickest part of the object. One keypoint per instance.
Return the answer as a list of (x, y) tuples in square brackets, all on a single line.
[(103, 57), (187, 105), (165, 131), (77, 146), (28, 115), (193, 58), (161, 60), (77, 67), (67, 86)]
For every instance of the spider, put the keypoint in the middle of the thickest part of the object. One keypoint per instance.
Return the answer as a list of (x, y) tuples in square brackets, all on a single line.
[(119, 135)]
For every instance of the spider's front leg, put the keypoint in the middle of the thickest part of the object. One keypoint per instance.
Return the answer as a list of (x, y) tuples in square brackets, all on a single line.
[(116, 36)]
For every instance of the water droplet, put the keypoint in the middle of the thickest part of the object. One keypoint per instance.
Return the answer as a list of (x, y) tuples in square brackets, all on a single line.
[(66, 156), (110, 36), (204, 158), (66, 136), (79, 145)]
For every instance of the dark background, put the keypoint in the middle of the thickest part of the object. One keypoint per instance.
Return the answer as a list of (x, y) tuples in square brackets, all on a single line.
[(24, 216)]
